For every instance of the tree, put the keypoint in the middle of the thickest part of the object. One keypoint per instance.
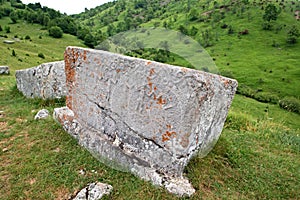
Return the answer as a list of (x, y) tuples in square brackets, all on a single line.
[(271, 13), (14, 16), (89, 40), (55, 32), (1, 28), (292, 35)]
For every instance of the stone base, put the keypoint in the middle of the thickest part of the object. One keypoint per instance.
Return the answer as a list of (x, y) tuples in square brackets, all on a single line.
[(112, 152)]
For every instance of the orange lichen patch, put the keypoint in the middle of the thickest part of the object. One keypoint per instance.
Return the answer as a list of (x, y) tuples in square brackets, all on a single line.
[(64, 118), (155, 88), (150, 84), (69, 101), (84, 55), (168, 135), (185, 140), (161, 101), (118, 70), (152, 72), (169, 126), (148, 63)]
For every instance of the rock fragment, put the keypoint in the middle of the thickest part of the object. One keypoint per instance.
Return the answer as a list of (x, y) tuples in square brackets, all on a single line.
[(4, 70), (94, 191), (42, 114)]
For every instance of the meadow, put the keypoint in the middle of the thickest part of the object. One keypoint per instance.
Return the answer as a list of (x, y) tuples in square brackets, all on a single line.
[(256, 157)]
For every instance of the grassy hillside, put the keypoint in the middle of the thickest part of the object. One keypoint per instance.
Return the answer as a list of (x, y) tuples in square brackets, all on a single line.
[(27, 50), (262, 61), (256, 157)]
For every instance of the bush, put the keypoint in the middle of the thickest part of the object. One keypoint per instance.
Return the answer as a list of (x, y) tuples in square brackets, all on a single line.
[(41, 55), (291, 104), (1, 28), (7, 29), (13, 53), (245, 90), (55, 32), (266, 97), (27, 37)]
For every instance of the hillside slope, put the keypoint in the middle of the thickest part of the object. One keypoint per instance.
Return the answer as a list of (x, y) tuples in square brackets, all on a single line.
[(265, 65)]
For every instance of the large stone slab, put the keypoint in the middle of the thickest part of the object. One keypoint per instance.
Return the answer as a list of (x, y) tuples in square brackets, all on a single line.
[(147, 117), (46, 81)]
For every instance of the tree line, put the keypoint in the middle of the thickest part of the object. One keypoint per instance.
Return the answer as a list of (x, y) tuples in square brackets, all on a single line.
[(54, 21)]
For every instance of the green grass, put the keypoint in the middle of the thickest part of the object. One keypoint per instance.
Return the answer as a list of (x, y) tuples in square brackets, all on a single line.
[(256, 157), (27, 50)]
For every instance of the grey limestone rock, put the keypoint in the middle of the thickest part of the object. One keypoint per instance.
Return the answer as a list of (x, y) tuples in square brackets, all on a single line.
[(46, 81), (4, 70), (42, 114), (142, 116), (94, 191)]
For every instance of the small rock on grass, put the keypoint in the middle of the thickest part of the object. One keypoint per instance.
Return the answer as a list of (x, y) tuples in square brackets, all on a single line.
[(42, 114), (94, 191), (4, 70)]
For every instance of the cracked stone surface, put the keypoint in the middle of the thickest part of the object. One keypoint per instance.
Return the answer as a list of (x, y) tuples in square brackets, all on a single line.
[(94, 191), (46, 81), (142, 116)]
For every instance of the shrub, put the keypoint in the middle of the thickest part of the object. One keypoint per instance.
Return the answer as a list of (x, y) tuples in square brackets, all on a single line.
[(230, 30), (292, 35), (1, 28), (245, 90), (41, 55), (291, 104), (13, 53), (266, 97), (7, 29), (55, 32), (27, 37)]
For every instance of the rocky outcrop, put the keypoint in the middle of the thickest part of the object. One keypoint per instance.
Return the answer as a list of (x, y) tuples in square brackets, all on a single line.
[(145, 117), (46, 81)]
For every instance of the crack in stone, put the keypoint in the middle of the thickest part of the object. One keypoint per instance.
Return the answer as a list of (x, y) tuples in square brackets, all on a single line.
[(106, 112)]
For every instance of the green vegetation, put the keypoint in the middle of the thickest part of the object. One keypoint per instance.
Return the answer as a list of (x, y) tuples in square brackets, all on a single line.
[(55, 32), (254, 41), (258, 153)]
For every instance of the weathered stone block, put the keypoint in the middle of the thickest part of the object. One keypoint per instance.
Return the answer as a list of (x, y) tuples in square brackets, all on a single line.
[(46, 81), (144, 116)]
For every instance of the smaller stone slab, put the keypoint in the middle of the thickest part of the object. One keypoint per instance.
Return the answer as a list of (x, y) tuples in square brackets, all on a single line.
[(8, 41), (46, 81), (4, 70)]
